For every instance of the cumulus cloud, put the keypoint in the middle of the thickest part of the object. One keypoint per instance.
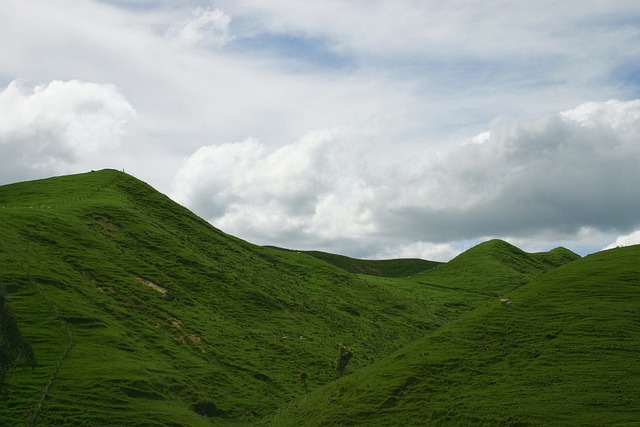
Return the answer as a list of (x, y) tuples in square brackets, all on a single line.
[(427, 76), (619, 115), (205, 27), (559, 175), (625, 240), (426, 250), (45, 129), (309, 189), (562, 172)]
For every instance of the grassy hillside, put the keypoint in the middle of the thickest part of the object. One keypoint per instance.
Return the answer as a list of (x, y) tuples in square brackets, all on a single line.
[(384, 268), (563, 353), (14, 351), (494, 268), (140, 313)]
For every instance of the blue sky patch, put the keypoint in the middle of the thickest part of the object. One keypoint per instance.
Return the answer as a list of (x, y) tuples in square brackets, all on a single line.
[(301, 50)]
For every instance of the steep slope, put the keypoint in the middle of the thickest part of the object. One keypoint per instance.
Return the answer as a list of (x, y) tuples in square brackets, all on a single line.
[(140, 313), (563, 353)]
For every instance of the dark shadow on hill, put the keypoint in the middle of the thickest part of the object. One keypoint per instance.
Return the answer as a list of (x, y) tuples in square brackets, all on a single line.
[(14, 351)]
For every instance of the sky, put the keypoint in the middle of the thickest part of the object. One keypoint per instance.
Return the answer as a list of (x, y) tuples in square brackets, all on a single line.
[(373, 129)]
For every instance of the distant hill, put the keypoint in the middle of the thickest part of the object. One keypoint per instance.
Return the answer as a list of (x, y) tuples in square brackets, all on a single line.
[(401, 267), (494, 268), (128, 309), (563, 353)]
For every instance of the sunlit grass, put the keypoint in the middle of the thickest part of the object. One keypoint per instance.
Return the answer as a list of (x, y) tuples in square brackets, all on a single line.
[(563, 353), (141, 313)]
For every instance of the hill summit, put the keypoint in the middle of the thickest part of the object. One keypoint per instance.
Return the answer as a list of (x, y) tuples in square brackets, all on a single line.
[(121, 307)]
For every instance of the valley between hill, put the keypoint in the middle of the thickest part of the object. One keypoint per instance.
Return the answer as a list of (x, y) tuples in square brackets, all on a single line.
[(121, 307)]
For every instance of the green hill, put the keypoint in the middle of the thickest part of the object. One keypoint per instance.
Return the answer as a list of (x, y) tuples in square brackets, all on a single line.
[(140, 312), (127, 309), (401, 267), (563, 353), (494, 268)]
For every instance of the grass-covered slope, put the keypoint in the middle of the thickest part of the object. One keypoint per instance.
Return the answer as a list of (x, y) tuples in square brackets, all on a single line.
[(494, 268), (140, 313), (130, 310), (14, 351), (563, 353), (401, 267)]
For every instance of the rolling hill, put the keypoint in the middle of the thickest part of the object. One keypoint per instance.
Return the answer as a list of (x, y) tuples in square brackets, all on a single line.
[(494, 268), (383, 268), (128, 309), (563, 353)]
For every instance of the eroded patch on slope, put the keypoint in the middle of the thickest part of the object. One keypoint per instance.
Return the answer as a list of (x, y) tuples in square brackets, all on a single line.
[(151, 285)]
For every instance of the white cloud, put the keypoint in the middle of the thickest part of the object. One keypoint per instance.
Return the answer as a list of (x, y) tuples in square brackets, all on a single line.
[(308, 189), (618, 115), (426, 250), (209, 179), (204, 27), (412, 81), (559, 175), (625, 240), (49, 128), (496, 31), (527, 177), (468, 61)]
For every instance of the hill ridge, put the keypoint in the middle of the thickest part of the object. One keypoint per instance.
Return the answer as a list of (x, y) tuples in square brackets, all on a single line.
[(175, 322), (494, 268), (398, 267), (239, 320)]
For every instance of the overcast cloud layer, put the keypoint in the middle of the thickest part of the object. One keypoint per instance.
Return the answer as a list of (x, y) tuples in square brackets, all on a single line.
[(367, 128)]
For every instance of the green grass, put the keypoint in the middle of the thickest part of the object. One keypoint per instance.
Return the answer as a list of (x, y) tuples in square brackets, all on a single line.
[(384, 268), (563, 353), (237, 325), (494, 268), (141, 313)]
